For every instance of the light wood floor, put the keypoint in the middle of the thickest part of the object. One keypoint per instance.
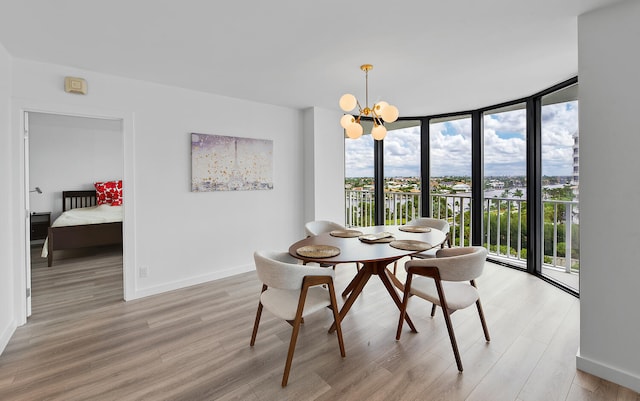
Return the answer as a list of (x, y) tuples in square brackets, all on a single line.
[(84, 343)]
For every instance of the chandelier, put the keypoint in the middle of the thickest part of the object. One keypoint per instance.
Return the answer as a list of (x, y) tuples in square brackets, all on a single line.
[(381, 111)]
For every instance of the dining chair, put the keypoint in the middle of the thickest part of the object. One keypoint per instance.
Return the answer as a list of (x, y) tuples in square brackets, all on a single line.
[(448, 280), (318, 227), (292, 291), (438, 224)]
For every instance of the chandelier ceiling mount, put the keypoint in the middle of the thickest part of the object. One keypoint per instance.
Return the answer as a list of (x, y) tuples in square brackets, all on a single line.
[(379, 113)]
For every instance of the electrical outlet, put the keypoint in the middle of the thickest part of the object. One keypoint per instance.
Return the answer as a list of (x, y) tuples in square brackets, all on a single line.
[(143, 271)]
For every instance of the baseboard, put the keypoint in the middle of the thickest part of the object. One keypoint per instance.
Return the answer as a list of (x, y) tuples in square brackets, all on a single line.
[(609, 373), (6, 334), (175, 285)]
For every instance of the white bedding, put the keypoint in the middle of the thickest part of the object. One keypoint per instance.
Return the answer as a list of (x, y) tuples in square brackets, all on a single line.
[(85, 215)]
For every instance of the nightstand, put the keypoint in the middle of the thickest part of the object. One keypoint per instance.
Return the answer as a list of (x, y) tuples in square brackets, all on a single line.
[(40, 223)]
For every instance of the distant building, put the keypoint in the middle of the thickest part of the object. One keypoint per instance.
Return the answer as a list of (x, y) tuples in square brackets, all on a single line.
[(575, 181), (461, 187)]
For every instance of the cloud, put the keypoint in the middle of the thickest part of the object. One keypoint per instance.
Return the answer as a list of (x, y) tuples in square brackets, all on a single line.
[(450, 146), (559, 123), (402, 153), (359, 157)]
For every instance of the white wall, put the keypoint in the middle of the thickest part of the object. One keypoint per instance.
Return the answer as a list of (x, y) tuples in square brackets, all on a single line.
[(7, 315), (182, 237), (324, 165), (71, 153), (609, 193)]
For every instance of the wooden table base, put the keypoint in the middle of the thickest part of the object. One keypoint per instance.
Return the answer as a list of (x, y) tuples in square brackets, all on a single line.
[(356, 285)]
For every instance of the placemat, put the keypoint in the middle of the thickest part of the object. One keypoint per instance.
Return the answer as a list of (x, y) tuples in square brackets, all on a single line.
[(414, 229), (345, 233), (318, 251), (411, 245)]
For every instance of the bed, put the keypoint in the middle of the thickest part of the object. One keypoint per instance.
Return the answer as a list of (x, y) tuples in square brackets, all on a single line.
[(83, 224)]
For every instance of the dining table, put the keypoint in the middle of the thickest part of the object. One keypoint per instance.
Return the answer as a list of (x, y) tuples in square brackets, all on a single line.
[(374, 248)]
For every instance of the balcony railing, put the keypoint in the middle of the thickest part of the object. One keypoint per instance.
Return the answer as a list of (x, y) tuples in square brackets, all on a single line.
[(505, 232)]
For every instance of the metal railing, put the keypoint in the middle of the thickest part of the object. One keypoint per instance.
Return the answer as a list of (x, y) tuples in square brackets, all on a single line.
[(505, 234)]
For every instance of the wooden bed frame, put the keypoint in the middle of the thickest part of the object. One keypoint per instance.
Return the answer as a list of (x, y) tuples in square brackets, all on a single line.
[(81, 236)]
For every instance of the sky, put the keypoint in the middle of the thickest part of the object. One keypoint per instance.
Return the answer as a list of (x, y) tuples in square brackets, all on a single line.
[(504, 146)]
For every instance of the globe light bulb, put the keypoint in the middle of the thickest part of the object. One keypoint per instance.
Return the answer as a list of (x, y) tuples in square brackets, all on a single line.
[(390, 114), (354, 130), (346, 120), (379, 132), (379, 107), (348, 102)]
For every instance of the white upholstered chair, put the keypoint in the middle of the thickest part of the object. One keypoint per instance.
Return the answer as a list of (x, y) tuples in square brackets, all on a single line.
[(447, 280), (318, 227), (438, 224), (292, 291)]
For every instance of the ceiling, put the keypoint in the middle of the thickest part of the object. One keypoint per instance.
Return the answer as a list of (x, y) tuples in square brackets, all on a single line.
[(429, 56)]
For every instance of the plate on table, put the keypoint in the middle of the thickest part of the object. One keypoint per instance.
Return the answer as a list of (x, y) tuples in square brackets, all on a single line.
[(318, 251), (345, 233), (377, 238), (411, 245), (414, 229)]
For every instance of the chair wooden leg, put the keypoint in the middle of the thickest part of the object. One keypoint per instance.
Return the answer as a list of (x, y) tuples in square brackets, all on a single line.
[(336, 319), (294, 333), (403, 307), (483, 321), (452, 337), (481, 314), (257, 322), (433, 310), (292, 348), (292, 322), (447, 319)]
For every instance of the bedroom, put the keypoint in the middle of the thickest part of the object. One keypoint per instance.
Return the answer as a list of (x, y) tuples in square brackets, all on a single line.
[(68, 153)]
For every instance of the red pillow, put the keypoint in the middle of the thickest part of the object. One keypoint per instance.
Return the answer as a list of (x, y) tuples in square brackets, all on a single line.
[(109, 192)]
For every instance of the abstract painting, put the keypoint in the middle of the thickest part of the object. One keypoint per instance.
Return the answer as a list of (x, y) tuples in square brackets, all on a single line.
[(229, 163)]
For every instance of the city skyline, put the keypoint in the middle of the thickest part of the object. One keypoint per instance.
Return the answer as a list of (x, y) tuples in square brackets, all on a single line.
[(504, 142)]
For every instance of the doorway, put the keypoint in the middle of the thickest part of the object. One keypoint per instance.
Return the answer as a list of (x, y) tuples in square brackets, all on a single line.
[(62, 153)]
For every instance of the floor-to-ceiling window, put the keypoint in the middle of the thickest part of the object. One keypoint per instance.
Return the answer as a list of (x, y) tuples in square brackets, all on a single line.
[(450, 173), (560, 186), (359, 181), (504, 176), (505, 181), (401, 166)]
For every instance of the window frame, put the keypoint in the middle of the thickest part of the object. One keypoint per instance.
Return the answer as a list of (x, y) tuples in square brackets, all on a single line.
[(535, 211)]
